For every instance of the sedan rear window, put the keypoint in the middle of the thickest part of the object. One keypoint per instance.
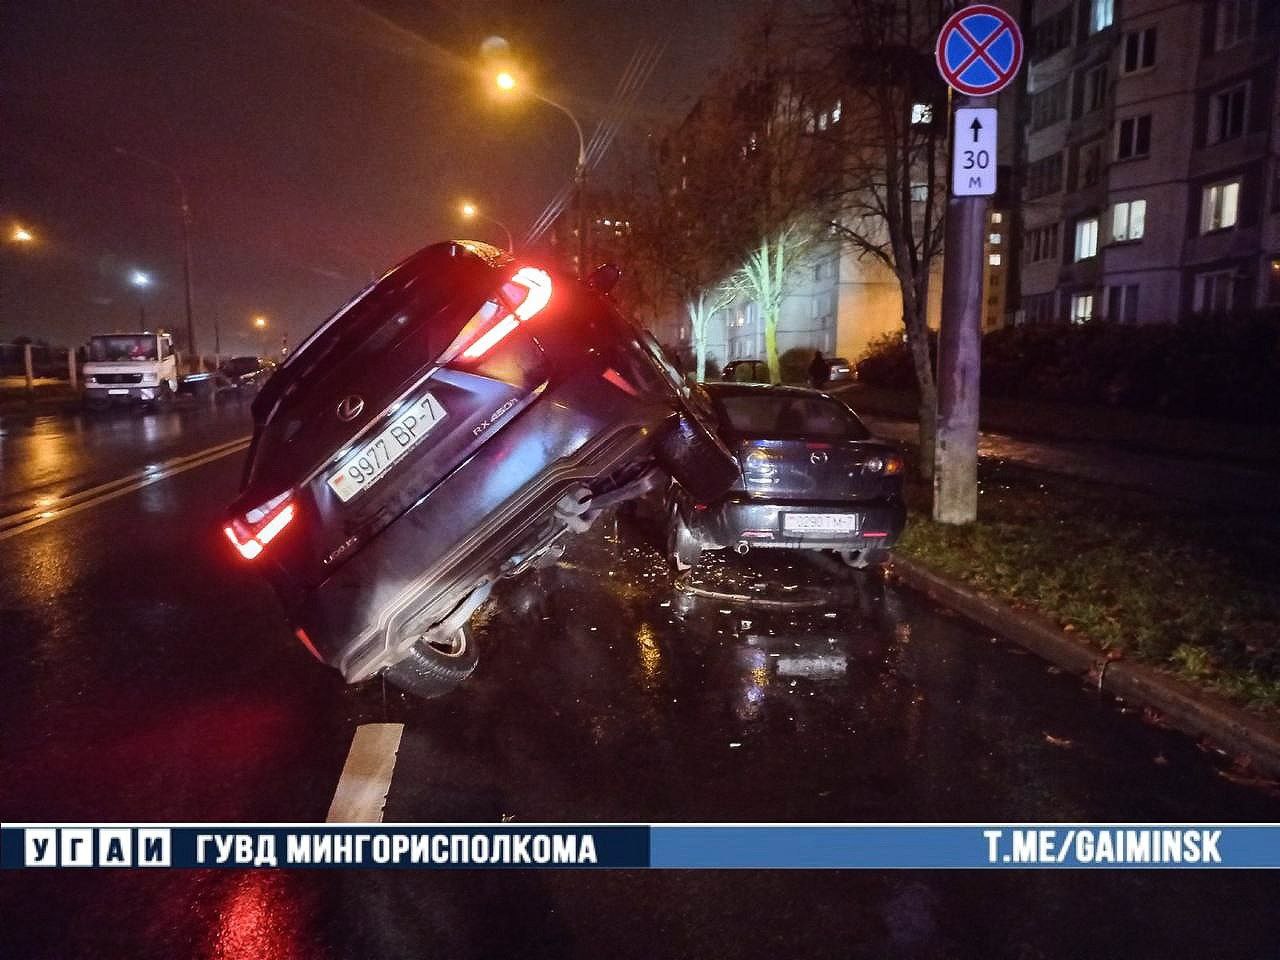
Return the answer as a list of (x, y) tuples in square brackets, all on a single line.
[(787, 417)]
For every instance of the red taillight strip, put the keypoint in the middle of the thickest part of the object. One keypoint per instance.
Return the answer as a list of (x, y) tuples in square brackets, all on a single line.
[(260, 535), (875, 534), (536, 285)]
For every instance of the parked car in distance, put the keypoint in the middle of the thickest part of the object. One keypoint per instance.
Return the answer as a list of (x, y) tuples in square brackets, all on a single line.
[(811, 477), (452, 425), (745, 371), (246, 374), (838, 370)]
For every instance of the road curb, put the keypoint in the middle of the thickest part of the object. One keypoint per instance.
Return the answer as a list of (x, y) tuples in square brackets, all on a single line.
[(1192, 711)]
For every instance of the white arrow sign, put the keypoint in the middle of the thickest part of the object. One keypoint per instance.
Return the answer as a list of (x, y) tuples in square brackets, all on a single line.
[(973, 152)]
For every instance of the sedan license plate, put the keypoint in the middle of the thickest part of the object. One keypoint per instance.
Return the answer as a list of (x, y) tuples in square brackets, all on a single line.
[(365, 467), (113, 392), (820, 523)]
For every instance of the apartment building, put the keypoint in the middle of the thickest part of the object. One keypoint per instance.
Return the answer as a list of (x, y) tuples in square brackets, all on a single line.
[(1151, 185)]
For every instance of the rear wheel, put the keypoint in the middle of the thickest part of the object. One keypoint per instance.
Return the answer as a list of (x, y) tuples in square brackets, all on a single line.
[(697, 460), (436, 665), (683, 549)]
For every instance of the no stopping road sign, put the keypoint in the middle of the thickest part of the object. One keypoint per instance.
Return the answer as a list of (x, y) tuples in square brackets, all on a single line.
[(979, 50)]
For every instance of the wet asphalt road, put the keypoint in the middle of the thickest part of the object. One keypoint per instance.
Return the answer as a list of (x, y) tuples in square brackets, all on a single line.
[(145, 675)]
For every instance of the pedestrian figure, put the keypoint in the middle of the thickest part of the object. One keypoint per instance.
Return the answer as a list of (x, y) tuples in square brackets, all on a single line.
[(817, 371)]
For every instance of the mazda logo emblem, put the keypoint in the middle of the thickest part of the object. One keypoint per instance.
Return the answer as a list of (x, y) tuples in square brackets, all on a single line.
[(817, 457), (350, 408)]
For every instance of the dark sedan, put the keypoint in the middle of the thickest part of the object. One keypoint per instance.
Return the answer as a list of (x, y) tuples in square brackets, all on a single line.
[(810, 477)]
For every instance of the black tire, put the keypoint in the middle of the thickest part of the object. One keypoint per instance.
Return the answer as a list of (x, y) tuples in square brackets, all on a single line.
[(432, 670), (697, 460), (683, 549)]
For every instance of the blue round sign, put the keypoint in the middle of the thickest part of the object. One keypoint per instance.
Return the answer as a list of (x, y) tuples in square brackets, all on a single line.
[(979, 50)]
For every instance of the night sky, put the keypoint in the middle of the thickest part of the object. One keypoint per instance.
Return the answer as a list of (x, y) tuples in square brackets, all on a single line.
[(319, 141)]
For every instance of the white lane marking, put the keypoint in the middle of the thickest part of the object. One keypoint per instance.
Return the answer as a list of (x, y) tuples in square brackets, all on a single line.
[(59, 503), (366, 776), (170, 469)]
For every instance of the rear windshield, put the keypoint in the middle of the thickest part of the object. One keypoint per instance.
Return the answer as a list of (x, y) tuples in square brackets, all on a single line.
[(431, 294), (789, 417), (123, 347)]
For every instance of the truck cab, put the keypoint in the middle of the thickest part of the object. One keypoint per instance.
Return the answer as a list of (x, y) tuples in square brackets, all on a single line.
[(126, 367)]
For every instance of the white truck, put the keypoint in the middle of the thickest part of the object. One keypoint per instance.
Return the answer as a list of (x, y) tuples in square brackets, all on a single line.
[(125, 367)]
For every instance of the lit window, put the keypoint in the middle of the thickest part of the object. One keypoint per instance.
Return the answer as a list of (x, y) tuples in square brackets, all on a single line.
[(994, 239), (822, 120), (921, 113), (1086, 239), (997, 217), (919, 192), (1219, 206), (1129, 220), (1101, 14), (1081, 307), (836, 111), (994, 259), (1273, 281)]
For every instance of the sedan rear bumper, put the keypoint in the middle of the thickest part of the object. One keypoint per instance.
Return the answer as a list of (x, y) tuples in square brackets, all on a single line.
[(875, 524)]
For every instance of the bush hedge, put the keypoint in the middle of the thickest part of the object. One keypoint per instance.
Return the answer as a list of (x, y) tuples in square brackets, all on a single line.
[(1213, 367)]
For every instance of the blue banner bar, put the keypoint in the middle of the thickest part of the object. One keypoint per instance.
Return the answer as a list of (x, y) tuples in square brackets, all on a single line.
[(640, 846)]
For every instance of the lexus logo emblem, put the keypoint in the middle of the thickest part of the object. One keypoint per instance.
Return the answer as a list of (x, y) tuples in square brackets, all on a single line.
[(350, 408), (817, 457)]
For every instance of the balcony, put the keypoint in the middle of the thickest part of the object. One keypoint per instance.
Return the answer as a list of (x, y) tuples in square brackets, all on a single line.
[(1082, 274)]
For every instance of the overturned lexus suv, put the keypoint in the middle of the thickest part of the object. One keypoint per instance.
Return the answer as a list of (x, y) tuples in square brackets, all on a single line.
[(451, 425)]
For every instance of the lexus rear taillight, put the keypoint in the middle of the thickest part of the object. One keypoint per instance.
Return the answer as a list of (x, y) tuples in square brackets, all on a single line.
[(250, 533), (523, 296)]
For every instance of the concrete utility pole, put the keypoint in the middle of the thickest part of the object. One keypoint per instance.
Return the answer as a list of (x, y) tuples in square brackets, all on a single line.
[(979, 52), (955, 476)]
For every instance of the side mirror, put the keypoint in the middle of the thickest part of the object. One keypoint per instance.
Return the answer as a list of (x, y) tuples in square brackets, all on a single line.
[(605, 277)]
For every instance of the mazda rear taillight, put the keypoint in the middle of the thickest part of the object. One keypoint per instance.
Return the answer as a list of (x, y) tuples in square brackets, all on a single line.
[(250, 533), (523, 296)]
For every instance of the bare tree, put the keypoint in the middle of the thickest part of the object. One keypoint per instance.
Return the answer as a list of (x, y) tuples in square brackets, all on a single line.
[(887, 190)]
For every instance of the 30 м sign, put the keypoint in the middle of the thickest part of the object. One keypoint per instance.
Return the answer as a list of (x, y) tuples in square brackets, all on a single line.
[(973, 152)]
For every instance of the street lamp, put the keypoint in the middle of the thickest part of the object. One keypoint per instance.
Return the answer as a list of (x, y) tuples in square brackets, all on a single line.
[(470, 211), (260, 322), (21, 234), (506, 81), (186, 237), (140, 280)]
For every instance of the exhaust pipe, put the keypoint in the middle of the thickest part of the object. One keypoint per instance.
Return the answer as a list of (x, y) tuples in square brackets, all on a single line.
[(741, 548)]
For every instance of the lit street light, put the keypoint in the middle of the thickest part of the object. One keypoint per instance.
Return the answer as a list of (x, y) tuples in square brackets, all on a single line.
[(260, 322), (140, 280), (470, 211), (21, 234), (186, 239), (506, 81)]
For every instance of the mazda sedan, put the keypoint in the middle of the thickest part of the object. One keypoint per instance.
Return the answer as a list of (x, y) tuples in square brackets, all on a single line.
[(811, 477)]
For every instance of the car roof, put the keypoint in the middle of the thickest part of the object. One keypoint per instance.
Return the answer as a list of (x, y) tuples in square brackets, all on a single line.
[(761, 389)]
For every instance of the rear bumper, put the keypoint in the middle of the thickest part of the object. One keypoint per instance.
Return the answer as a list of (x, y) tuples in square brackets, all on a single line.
[(877, 524), (498, 504)]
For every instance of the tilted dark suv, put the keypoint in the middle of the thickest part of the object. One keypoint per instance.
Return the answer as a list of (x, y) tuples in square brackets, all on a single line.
[(451, 425)]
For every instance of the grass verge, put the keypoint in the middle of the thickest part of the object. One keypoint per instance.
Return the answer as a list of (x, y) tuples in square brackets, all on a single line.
[(1190, 589)]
